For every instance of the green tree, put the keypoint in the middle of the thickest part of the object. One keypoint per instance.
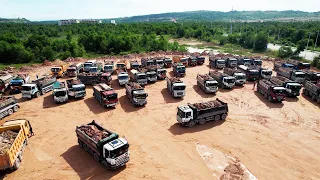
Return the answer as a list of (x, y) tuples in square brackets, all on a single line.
[(261, 42), (48, 53), (285, 52)]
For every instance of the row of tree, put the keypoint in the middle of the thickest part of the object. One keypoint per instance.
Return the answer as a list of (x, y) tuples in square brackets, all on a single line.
[(20, 43)]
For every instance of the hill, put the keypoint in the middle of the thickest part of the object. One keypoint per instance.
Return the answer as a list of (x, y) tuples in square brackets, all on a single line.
[(223, 16), (19, 20)]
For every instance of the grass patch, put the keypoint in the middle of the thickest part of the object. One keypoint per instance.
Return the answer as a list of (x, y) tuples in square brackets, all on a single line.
[(17, 66), (93, 55)]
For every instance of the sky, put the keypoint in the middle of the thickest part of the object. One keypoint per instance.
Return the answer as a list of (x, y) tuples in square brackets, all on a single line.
[(37, 10)]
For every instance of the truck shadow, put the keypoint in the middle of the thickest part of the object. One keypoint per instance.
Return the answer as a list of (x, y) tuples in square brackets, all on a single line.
[(171, 74), (5, 173), (21, 100), (178, 129), (292, 99), (48, 102), (310, 100), (115, 85), (267, 103), (198, 90), (95, 107), (127, 105), (85, 166), (223, 90), (168, 98)]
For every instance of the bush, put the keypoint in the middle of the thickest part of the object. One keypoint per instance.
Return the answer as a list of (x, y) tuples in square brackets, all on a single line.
[(285, 52)]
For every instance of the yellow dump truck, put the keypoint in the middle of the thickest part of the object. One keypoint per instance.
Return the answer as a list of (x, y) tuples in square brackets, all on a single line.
[(59, 71), (14, 136), (181, 59)]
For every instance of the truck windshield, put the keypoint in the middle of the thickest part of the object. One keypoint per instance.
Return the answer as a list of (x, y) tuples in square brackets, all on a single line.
[(247, 61), (81, 88), (118, 152), (149, 63), (162, 71), (233, 61), (231, 80), (93, 69), (120, 65), (254, 72), (241, 77), (181, 113), (112, 96), (221, 62), (141, 76), (179, 87), (181, 69), (55, 69), (211, 84), (16, 83), (26, 88), (108, 67), (87, 65), (71, 70), (168, 60), (294, 87), (278, 91), (183, 60), (140, 96), (122, 77), (300, 75), (134, 66), (60, 93), (201, 58), (258, 63), (268, 73)]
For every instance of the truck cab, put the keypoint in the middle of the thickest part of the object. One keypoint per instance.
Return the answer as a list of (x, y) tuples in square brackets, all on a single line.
[(293, 88), (178, 89), (167, 62), (160, 62), (179, 70), (30, 91), (16, 85), (105, 95), (139, 97), (257, 62), (108, 68), (192, 61), (228, 81), (277, 93), (142, 79), (247, 62), (76, 90), (59, 71), (134, 65), (298, 76), (60, 93), (184, 114), (116, 152), (151, 76), (218, 63), (87, 65), (240, 78), (123, 78), (200, 60), (211, 86), (161, 73), (121, 65), (265, 73), (232, 62)]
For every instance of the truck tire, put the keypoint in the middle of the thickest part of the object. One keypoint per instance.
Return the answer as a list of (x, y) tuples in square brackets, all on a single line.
[(313, 97), (37, 94), (269, 98), (20, 156), (16, 164), (223, 117), (105, 164), (43, 92), (304, 91), (202, 121), (266, 95), (15, 108), (191, 123), (96, 157), (80, 143), (85, 147), (10, 111), (217, 117)]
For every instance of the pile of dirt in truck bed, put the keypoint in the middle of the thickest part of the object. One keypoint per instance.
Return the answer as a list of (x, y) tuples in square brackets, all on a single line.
[(93, 132), (6, 140), (209, 104)]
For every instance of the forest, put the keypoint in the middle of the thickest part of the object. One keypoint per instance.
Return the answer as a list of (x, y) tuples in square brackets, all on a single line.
[(23, 43)]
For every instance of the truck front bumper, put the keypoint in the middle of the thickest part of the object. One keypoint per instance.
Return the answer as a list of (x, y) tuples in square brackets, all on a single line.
[(26, 96)]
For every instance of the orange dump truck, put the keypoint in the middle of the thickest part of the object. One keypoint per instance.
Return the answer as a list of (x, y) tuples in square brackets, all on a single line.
[(181, 59), (14, 135)]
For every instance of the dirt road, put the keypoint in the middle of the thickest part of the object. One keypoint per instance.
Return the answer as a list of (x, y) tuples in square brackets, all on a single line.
[(274, 141)]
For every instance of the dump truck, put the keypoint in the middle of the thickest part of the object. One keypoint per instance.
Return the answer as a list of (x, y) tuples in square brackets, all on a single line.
[(98, 68), (231, 62), (123, 77), (207, 83), (161, 73), (145, 62), (74, 69), (252, 72), (298, 65), (108, 66), (75, 88), (295, 75), (224, 80), (104, 145), (60, 92), (167, 62), (88, 64), (106, 96), (199, 113), (38, 87), (14, 136), (247, 62), (176, 87), (271, 91), (192, 61), (122, 64), (264, 72), (312, 89), (277, 65), (5, 81), (134, 64), (200, 60), (151, 73), (179, 70), (16, 83), (181, 59), (138, 77), (240, 78), (94, 78), (59, 71), (136, 94), (217, 63), (256, 62), (159, 62), (312, 75), (292, 88), (8, 105)]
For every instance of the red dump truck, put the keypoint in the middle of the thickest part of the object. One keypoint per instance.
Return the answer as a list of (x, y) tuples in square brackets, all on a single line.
[(106, 96), (271, 91), (199, 113), (104, 145)]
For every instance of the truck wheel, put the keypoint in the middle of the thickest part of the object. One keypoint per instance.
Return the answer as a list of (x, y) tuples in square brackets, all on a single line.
[(266, 95), (20, 156), (269, 98), (10, 111), (223, 117), (105, 164), (191, 123), (43, 92), (96, 157), (80, 143), (217, 117), (15, 108), (313, 97), (16, 164), (37, 94), (202, 121), (304, 91), (85, 147)]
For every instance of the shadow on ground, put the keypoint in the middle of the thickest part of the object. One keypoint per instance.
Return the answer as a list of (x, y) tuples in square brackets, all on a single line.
[(198, 90), (178, 129), (95, 106), (267, 103), (168, 98), (127, 106)]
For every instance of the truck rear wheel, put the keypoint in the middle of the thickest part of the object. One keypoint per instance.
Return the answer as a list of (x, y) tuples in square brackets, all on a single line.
[(191, 123), (10, 111), (96, 157), (217, 117), (15, 108), (16, 164), (223, 116), (202, 121)]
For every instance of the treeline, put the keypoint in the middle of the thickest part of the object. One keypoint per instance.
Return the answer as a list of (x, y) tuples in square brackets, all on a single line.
[(21, 43)]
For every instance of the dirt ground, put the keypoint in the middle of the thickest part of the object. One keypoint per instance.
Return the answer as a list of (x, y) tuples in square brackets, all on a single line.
[(274, 141)]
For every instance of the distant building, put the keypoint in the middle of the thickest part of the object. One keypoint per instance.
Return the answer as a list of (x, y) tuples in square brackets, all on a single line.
[(77, 21), (113, 22)]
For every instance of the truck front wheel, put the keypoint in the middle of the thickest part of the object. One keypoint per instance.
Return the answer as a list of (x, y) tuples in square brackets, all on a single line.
[(15, 108), (202, 121), (16, 164), (191, 123), (96, 157), (10, 111), (223, 116), (217, 117), (105, 164)]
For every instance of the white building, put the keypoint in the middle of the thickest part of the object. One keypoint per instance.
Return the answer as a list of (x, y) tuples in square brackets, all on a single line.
[(76, 21)]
